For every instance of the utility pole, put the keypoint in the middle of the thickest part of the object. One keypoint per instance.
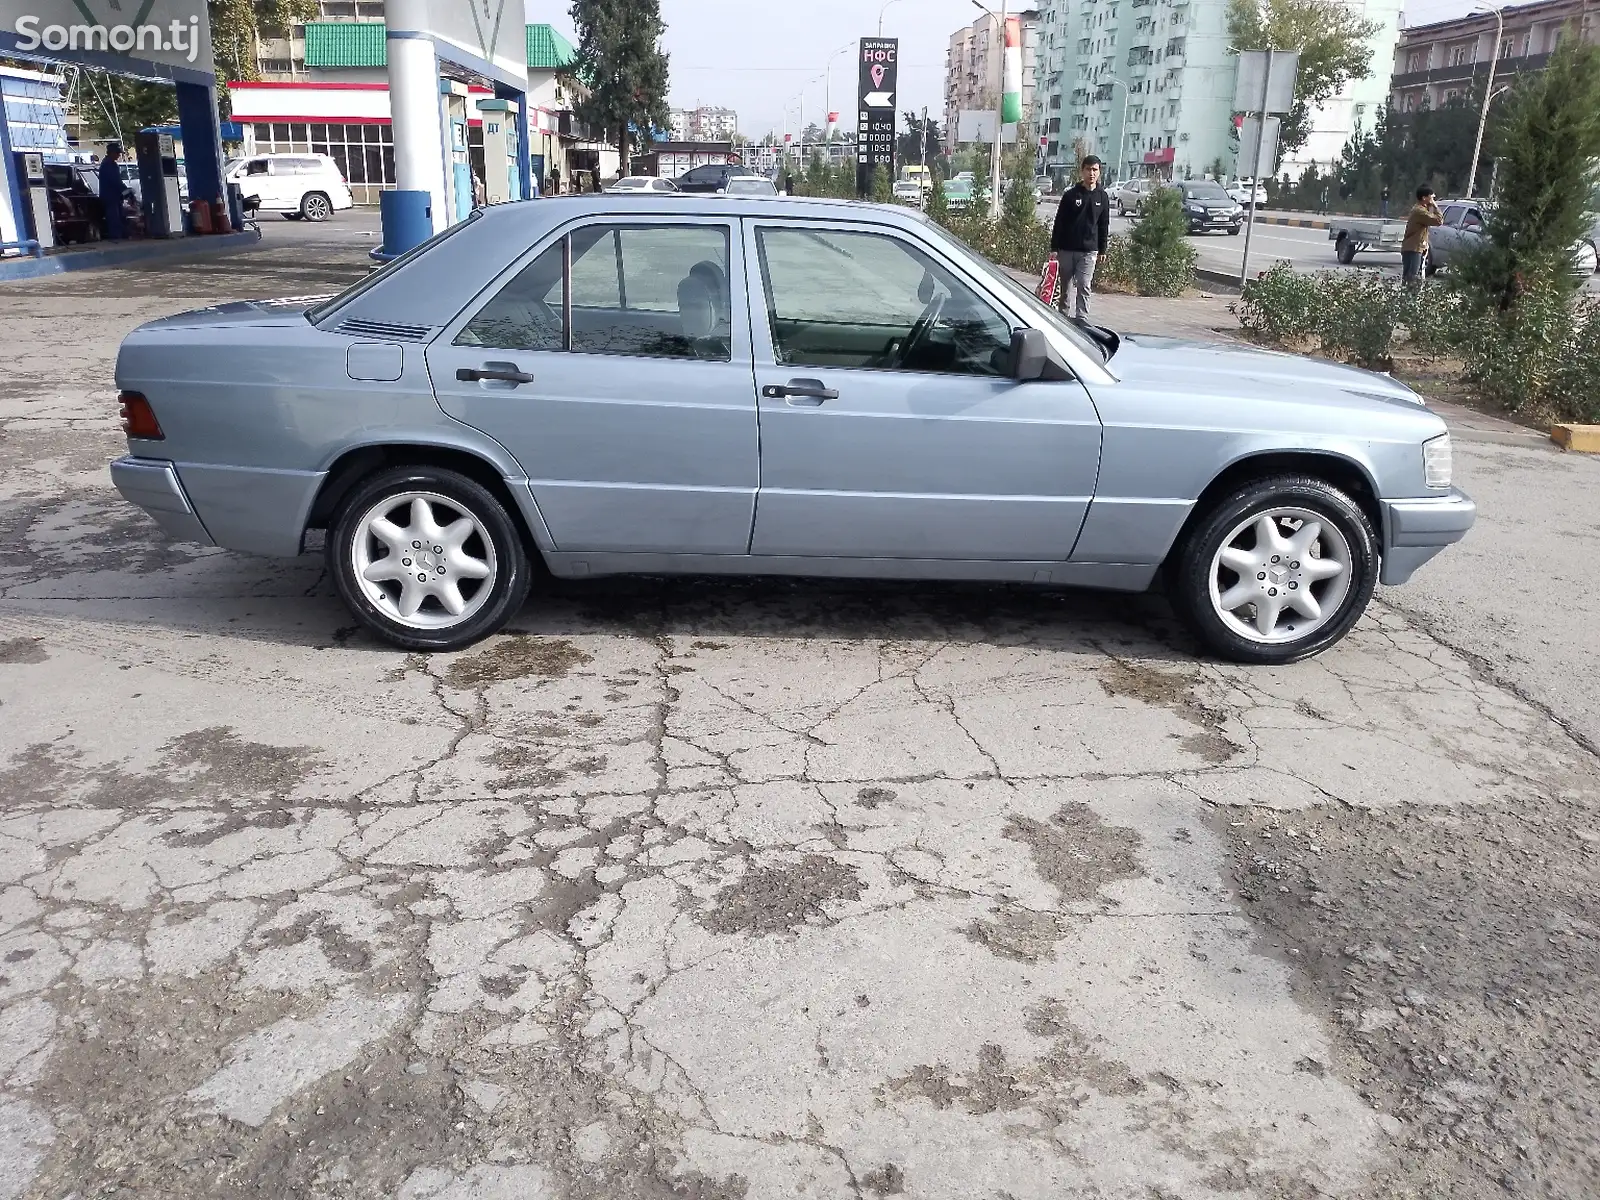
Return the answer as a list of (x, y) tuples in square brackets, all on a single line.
[(1488, 95)]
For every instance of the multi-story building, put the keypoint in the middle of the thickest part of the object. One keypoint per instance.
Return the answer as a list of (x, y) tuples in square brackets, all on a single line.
[(704, 124), (1147, 85), (973, 66), (1441, 62), (1357, 104)]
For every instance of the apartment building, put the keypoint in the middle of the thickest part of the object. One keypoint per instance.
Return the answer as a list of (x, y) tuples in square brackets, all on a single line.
[(1148, 86), (704, 124), (1438, 63), (972, 71)]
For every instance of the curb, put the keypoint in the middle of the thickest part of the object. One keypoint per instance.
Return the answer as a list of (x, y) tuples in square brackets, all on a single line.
[(1226, 281), (1585, 439), (129, 254)]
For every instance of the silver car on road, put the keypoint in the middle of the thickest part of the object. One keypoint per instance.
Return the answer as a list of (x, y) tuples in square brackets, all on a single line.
[(780, 386)]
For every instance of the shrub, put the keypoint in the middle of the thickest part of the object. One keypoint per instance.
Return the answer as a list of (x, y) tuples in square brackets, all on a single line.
[(1540, 354), (1114, 271), (1163, 260), (938, 209), (1357, 316), (1280, 306)]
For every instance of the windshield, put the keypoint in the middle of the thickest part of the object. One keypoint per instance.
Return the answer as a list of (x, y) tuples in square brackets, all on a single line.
[(329, 307), (957, 185), (1204, 191), (1040, 313)]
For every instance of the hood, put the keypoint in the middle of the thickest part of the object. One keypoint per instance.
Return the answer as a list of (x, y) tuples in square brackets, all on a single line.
[(1221, 369), (288, 311)]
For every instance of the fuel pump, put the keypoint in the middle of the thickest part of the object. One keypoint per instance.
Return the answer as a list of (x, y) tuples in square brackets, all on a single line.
[(35, 198), (158, 183)]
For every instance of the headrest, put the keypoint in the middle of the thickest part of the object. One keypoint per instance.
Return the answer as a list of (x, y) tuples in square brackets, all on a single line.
[(697, 309)]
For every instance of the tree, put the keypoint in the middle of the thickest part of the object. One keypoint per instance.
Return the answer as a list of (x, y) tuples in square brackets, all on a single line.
[(1332, 43), (882, 191), (236, 25), (1162, 258), (937, 209), (620, 69), (1549, 136), (117, 108), (920, 141)]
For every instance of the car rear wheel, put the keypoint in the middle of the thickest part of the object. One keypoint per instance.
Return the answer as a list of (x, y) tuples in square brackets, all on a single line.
[(427, 559), (1278, 571), (314, 206)]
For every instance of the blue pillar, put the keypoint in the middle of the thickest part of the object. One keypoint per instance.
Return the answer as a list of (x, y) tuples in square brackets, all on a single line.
[(202, 140), (524, 147), (13, 183)]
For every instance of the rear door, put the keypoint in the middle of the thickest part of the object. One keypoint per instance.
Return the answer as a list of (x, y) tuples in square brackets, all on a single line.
[(614, 364), (890, 425)]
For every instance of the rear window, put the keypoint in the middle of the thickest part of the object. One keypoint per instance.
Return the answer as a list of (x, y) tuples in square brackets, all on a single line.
[(329, 307)]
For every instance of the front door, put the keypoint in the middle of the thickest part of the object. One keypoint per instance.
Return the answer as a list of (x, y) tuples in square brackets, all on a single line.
[(890, 425), (614, 365)]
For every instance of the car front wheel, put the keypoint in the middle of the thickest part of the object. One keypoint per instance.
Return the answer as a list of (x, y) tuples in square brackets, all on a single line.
[(314, 206), (427, 558), (1278, 571)]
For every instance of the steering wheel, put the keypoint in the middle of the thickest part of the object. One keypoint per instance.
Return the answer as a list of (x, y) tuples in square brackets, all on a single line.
[(920, 331)]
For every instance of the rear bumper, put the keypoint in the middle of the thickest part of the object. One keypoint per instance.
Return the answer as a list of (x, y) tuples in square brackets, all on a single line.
[(153, 485), (1414, 530)]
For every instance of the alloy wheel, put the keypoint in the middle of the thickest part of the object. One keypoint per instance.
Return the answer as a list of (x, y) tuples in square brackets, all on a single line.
[(1280, 575), (423, 560)]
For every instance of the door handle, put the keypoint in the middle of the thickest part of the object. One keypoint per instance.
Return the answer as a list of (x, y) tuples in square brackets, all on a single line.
[(501, 374), (800, 389)]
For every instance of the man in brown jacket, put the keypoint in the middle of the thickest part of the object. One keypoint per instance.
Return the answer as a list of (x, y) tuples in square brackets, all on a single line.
[(1414, 250)]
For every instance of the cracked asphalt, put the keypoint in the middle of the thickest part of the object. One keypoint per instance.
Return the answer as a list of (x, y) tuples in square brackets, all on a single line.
[(741, 889)]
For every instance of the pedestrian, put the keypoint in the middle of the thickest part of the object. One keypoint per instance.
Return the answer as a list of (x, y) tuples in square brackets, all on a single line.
[(1324, 199), (1384, 211), (480, 194), (1083, 224), (555, 180), (1414, 249), (111, 190)]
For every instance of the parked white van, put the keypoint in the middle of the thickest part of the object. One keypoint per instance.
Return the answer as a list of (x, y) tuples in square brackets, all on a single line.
[(296, 185)]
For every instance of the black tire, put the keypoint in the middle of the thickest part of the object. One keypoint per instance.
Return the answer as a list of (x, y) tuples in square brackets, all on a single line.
[(1189, 570), (1234, 231), (315, 206), (1345, 249), (507, 590)]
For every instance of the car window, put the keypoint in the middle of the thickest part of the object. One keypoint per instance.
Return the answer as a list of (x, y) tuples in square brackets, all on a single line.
[(256, 166), (1452, 213), (654, 290), (751, 186), (854, 299), (526, 313), (1472, 220), (1204, 191)]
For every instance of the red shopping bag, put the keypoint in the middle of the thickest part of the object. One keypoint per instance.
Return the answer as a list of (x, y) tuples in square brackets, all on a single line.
[(1050, 285)]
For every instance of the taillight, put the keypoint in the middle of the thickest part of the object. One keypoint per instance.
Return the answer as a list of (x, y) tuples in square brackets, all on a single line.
[(138, 418)]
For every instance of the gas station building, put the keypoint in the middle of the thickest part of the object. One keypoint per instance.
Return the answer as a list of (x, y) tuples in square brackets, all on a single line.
[(457, 77)]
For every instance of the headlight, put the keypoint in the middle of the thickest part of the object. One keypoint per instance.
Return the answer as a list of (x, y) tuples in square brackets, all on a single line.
[(1436, 461)]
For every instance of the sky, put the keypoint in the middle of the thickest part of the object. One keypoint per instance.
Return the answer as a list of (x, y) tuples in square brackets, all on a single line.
[(765, 57)]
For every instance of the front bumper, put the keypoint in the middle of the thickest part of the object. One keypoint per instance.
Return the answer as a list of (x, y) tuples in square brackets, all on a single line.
[(153, 485), (1414, 530)]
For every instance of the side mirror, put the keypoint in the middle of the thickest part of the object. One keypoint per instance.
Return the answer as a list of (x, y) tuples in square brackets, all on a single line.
[(1030, 353)]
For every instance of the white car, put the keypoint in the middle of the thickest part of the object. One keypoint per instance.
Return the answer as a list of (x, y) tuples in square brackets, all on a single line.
[(1239, 193), (642, 183), (908, 191), (296, 185)]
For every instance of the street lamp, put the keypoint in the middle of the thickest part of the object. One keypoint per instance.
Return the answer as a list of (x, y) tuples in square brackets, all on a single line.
[(1488, 94), (1122, 132), (828, 90), (881, 11), (999, 108)]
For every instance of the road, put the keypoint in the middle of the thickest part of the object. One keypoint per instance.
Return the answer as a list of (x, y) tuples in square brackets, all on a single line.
[(749, 889)]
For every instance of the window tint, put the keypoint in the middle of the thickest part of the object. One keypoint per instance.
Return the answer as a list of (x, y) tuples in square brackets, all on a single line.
[(1452, 213), (658, 291), (256, 166), (870, 300)]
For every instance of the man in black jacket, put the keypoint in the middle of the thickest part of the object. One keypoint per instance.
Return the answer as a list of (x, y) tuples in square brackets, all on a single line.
[(1083, 223)]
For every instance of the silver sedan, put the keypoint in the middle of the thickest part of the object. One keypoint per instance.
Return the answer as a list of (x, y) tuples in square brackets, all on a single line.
[(712, 384)]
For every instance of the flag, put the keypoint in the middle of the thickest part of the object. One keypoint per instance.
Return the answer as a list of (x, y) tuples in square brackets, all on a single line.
[(1011, 85)]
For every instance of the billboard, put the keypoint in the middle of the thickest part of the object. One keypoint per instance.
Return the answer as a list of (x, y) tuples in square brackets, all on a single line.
[(878, 82)]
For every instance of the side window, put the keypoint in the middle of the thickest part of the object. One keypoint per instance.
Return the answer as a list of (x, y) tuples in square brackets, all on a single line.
[(1452, 214), (656, 290), (526, 313), (1473, 220), (256, 166), (846, 299)]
